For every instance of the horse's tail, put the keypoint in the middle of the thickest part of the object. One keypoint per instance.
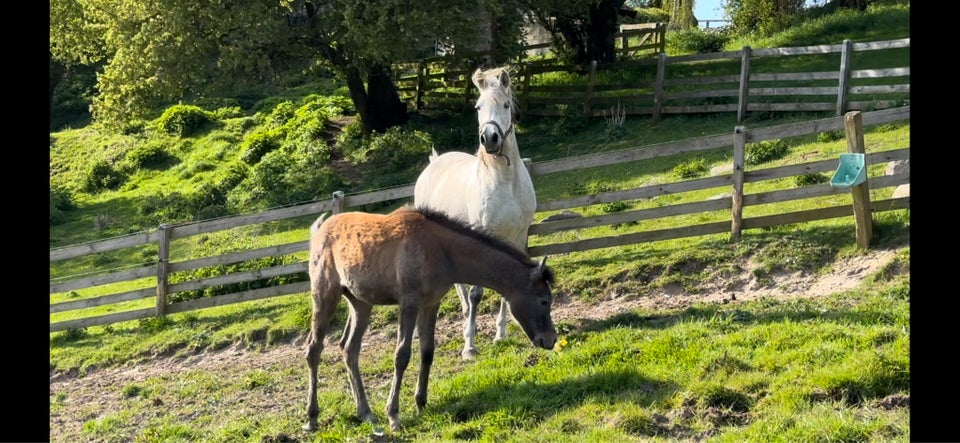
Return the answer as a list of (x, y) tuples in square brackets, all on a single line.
[(316, 224)]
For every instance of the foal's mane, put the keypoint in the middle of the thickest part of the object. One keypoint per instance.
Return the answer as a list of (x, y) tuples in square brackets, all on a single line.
[(479, 233)]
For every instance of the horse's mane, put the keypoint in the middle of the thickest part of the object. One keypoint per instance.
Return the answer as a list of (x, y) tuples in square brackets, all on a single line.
[(493, 76), (479, 233)]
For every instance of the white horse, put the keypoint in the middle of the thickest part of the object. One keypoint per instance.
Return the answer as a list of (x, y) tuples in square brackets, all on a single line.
[(491, 189)]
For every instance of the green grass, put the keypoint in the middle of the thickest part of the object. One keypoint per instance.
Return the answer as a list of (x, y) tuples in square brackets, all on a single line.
[(765, 370)]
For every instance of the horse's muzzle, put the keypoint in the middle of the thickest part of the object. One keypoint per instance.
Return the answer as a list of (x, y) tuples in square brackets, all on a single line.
[(546, 340), (492, 139)]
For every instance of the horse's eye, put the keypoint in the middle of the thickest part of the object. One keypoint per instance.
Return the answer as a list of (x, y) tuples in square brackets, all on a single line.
[(506, 106), (544, 302)]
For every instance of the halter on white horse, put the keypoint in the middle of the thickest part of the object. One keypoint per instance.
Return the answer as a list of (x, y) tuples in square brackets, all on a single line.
[(491, 188)]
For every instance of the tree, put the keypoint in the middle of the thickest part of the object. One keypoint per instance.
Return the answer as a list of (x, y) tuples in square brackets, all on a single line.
[(583, 29), (162, 51)]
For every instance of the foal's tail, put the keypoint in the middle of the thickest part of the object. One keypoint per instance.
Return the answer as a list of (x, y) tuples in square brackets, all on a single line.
[(316, 224)]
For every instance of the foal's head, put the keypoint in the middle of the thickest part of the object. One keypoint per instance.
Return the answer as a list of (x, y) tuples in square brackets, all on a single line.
[(496, 107), (532, 307)]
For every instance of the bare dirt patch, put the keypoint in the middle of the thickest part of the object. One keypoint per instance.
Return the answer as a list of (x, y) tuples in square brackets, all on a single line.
[(97, 394)]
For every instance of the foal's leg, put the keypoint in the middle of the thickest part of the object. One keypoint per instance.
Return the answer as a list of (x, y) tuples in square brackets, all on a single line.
[(324, 306), (426, 324), (468, 304), (408, 319), (502, 319), (353, 337)]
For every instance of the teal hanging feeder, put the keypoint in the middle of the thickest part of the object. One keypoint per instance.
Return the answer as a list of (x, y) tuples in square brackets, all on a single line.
[(851, 171)]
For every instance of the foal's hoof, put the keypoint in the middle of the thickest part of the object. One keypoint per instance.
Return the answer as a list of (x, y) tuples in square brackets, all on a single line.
[(310, 426), (469, 353), (394, 425)]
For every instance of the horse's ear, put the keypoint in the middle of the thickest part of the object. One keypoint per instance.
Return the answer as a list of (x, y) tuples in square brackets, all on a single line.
[(504, 78), (478, 80), (538, 272)]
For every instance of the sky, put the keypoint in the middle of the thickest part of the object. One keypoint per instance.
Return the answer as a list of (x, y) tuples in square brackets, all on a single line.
[(708, 10)]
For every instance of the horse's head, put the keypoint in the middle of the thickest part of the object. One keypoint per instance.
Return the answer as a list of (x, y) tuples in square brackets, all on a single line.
[(531, 307), (495, 108)]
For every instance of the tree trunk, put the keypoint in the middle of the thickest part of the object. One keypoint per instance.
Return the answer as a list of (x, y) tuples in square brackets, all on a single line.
[(592, 38), (601, 30), (358, 93), (384, 108)]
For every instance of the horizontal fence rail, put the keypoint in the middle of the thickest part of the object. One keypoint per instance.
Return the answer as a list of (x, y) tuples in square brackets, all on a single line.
[(732, 199), (748, 88)]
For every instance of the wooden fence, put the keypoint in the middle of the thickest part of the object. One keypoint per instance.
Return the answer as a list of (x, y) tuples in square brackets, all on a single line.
[(438, 83), (154, 276), (670, 85)]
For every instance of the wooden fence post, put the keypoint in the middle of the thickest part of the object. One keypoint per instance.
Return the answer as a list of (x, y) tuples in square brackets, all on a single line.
[(845, 55), (739, 150), (853, 123), (658, 86), (661, 37), (421, 83), (163, 264), (744, 84), (525, 75), (591, 80)]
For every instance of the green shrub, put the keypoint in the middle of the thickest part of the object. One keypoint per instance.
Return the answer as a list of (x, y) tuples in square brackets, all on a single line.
[(60, 201), (696, 40), (614, 129), (650, 15), (214, 103), (613, 207), (258, 144), (282, 113), (810, 179), (132, 127), (183, 120), (102, 176), (761, 17), (152, 154), (829, 136), (228, 112), (395, 149), (571, 122), (765, 151), (294, 174), (691, 169)]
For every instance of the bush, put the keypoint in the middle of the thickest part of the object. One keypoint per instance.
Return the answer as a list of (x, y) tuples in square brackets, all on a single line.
[(691, 169), (259, 144), (765, 151), (696, 40), (829, 136), (571, 122), (761, 17), (294, 174), (183, 120), (214, 103), (60, 201), (650, 15), (102, 176), (228, 112), (810, 179), (396, 149), (146, 155)]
